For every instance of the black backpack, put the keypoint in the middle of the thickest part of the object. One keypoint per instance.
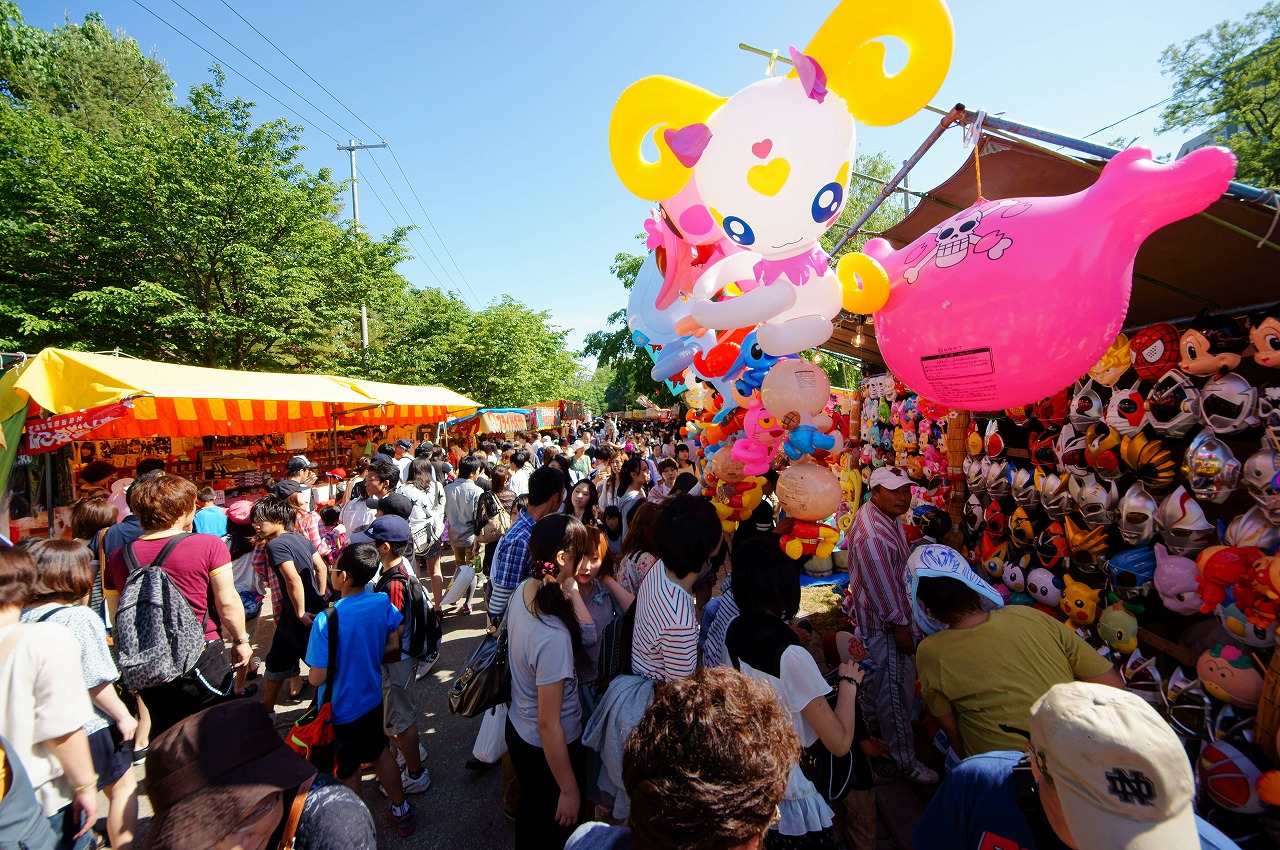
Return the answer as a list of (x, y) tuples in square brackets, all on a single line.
[(420, 621)]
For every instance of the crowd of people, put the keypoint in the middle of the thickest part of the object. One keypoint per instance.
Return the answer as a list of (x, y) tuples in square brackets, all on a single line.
[(665, 689)]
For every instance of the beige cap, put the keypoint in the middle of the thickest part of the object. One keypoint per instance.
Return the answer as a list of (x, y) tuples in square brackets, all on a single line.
[(889, 477), (1123, 778)]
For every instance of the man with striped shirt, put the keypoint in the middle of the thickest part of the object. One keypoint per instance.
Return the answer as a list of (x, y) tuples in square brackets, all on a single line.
[(879, 584), (665, 642)]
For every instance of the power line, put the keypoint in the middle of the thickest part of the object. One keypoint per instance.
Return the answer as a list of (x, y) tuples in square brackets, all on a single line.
[(409, 215), (264, 69), (443, 244), (225, 64), (411, 232), (300, 68), (1134, 115), (394, 157)]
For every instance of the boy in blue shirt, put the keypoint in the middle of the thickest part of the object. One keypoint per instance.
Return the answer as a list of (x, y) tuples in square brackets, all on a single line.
[(210, 519), (368, 629)]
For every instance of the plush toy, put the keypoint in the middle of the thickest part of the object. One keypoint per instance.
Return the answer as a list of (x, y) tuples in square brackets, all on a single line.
[(1079, 601), (1231, 675), (734, 494), (809, 494)]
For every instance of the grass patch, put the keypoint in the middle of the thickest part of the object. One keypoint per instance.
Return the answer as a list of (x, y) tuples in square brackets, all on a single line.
[(822, 607)]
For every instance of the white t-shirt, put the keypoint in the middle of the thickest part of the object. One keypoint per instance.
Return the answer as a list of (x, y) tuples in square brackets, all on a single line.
[(519, 483), (42, 696), (801, 683), (403, 465)]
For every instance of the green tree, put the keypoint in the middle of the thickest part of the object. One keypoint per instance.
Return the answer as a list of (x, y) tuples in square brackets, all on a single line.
[(505, 355), (1227, 82), (82, 73)]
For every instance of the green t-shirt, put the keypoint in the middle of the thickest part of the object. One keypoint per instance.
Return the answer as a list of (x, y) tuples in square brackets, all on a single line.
[(994, 673)]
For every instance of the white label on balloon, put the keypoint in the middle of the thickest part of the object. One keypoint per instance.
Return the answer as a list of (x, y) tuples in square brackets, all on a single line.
[(941, 370), (806, 380)]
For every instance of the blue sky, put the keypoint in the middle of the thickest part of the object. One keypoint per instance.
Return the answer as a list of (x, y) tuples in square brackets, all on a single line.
[(498, 111)]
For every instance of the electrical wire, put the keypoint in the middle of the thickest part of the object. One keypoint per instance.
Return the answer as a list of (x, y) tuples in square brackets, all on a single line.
[(395, 158), (318, 84), (225, 64), (377, 197), (1127, 117), (264, 69), (425, 214), (453, 283)]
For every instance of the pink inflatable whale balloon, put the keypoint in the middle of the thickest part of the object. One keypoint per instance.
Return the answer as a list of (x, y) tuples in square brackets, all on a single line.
[(1010, 301)]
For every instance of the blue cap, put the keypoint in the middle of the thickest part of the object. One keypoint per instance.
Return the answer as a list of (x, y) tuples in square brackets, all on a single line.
[(385, 529)]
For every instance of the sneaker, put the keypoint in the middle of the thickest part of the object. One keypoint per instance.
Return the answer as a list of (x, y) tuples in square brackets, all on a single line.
[(920, 774), (465, 610), (425, 665), (478, 766), (404, 823), (418, 785), (422, 756)]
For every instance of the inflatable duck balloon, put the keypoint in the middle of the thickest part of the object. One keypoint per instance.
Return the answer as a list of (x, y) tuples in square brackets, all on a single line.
[(999, 341)]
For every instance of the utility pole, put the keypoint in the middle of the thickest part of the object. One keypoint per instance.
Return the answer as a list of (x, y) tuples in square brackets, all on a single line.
[(351, 147)]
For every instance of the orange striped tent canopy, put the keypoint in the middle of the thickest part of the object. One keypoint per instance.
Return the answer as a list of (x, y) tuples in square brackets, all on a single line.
[(192, 401)]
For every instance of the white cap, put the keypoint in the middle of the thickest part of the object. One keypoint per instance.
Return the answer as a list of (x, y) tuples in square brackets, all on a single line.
[(577, 444), (889, 477), (1118, 768)]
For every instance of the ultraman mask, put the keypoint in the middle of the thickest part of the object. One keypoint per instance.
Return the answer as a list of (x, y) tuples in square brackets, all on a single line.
[(1097, 502), (1211, 468), (975, 474), (1259, 477), (1055, 495), (1135, 515), (1172, 404), (1051, 546), (998, 479), (1182, 524), (1024, 489), (1252, 528)]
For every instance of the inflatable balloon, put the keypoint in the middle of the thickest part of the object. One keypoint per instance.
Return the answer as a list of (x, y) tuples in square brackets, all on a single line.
[(1001, 282), (771, 165), (809, 494)]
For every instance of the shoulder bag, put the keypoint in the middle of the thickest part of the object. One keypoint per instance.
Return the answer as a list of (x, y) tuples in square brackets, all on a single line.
[(486, 680), (312, 735)]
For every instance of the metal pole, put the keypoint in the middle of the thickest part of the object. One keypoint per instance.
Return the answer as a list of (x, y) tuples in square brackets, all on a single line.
[(351, 147), (949, 119), (1027, 131)]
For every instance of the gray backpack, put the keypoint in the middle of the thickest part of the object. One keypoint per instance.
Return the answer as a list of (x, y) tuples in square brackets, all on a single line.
[(157, 636)]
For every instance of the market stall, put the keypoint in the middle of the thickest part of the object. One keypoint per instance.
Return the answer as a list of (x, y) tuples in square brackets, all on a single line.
[(504, 422), (230, 430)]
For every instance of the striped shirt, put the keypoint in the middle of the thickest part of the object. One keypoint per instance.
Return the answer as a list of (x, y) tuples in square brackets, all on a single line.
[(878, 576), (665, 643)]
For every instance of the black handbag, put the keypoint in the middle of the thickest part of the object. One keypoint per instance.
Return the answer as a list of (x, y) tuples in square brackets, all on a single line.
[(834, 776), (486, 680)]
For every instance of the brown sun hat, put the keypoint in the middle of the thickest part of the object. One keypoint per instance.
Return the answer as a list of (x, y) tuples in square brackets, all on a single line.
[(209, 772)]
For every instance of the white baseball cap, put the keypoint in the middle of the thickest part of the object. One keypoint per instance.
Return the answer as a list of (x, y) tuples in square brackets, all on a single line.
[(889, 477), (577, 444), (1118, 768)]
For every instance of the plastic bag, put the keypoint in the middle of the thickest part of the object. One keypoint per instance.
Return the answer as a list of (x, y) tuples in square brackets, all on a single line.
[(464, 580), (491, 742)]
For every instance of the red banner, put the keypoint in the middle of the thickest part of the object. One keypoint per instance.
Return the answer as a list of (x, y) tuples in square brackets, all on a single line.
[(46, 435)]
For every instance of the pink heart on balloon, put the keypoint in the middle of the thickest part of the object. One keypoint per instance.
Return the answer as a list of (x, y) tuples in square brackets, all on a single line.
[(761, 149)]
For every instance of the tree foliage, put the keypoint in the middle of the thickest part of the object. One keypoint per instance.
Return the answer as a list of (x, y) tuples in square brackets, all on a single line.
[(613, 347), (1227, 83), (504, 355), (190, 232)]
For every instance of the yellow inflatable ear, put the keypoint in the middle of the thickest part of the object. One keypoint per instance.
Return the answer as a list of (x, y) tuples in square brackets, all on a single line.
[(854, 63), (655, 103)]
